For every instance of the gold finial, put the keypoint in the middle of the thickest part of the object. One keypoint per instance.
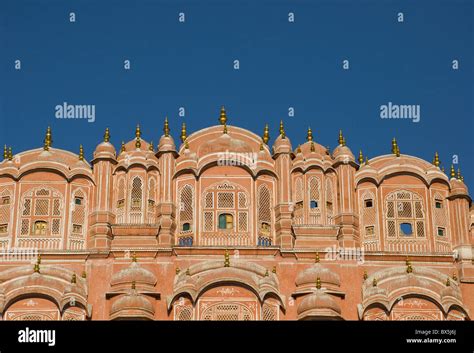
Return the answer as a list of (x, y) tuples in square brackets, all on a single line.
[(81, 153), (453, 172), (398, 152), (274, 269), (318, 283), (5, 152), (282, 130), (134, 285), (38, 259), (298, 150), (138, 132), (166, 128), (365, 276), (48, 140), (341, 138), (107, 135), (178, 270), (266, 273), (366, 160), (261, 146), (309, 134), (459, 174), (442, 169), (10, 153), (122, 148), (394, 145), (134, 257), (73, 278), (266, 134), (312, 149), (409, 267), (186, 144), (374, 282), (448, 282), (151, 147), (84, 274), (188, 273), (138, 143), (455, 277), (226, 258), (223, 116), (316, 260), (225, 129), (183, 132), (36, 268), (361, 157), (436, 159)]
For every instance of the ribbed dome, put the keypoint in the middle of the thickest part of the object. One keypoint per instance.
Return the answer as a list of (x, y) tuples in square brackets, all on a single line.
[(343, 152), (130, 304), (310, 275), (133, 273), (166, 144), (318, 303), (282, 144), (104, 148)]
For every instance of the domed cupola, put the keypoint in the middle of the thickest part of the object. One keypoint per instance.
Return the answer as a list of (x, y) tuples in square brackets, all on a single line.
[(308, 277), (282, 143), (319, 306), (342, 153), (132, 306), (105, 149), (133, 273), (458, 188), (166, 143)]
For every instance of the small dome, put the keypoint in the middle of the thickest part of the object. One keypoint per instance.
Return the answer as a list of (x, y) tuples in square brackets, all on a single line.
[(166, 144), (318, 304), (132, 305), (310, 275), (458, 187), (282, 145), (133, 273), (343, 152), (104, 148)]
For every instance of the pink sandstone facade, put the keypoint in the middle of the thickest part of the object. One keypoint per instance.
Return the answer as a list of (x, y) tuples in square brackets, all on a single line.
[(226, 227)]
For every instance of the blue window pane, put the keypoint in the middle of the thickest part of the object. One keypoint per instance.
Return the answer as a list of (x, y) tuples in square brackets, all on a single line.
[(406, 228), (313, 204)]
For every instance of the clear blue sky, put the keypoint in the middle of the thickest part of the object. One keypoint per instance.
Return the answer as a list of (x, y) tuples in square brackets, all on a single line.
[(282, 64)]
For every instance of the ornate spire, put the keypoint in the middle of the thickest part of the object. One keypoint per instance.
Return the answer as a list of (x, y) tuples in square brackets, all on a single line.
[(81, 153), (10, 153), (282, 130), (274, 269), (223, 116), (166, 128), (226, 258), (225, 129), (261, 146), (448, 282), (366, 160), (73, 278), (151, 147), (107, 135), (266, 273), (374, 282), (459, 176), (312, 148), (341, 139), (36, 268), (183, 132), (266, 134), (138, 143), (138, 132), (122, 147), (436, 160), (309, 134), (361, 157), (48, 140), (318, 283), (316, 259), (5, 152), (409, 267), (453, 172), (365, 276), (186, 144), (394, 145)]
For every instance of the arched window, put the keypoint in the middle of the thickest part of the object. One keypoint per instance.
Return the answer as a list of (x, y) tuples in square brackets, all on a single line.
[(78, 213), (5, 211), (368, 214), (329, 202), (226, 221), (404, 215), (40, 227), (120, 202), (440, 216), (186, 209), (151, 200), (314, 200), (264, 208), (136, 201)]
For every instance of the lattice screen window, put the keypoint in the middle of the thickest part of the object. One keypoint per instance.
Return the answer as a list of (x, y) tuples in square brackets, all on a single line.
[(136, 194), (5, 210), (186, 206), (440, 215), (368, 211), (183, 312), (329, 202), (264, 210), (41, 212), (78, 213), (227, 312), (404, 214), (151, 200), (269, 312), (298, 195), (120, 201), (225, 208)]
